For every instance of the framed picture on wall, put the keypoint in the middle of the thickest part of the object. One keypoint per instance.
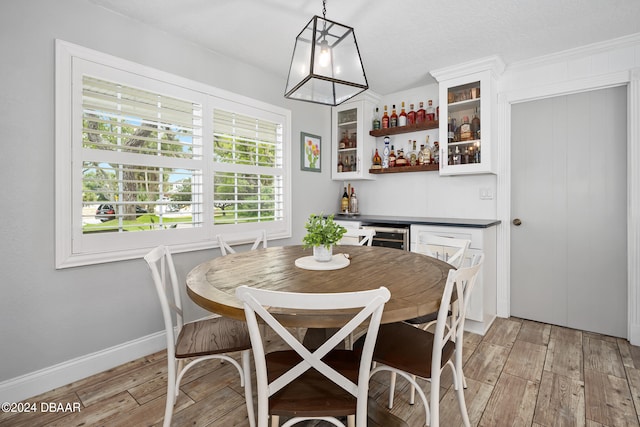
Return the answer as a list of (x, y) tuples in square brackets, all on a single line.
[(310, 146)]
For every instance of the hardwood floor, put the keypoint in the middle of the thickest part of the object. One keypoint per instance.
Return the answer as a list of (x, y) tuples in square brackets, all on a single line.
[(521, 373)]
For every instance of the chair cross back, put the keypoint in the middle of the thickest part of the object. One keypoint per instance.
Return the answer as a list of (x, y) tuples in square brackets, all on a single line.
[(257, 303), (226, 245), (453, 249), (364, 235)]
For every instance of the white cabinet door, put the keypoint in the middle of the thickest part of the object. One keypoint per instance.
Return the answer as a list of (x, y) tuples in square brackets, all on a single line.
[(465, 92), (352, 146)]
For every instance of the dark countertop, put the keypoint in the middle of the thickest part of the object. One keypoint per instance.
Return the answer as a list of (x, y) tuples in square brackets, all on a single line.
[(408, 220)]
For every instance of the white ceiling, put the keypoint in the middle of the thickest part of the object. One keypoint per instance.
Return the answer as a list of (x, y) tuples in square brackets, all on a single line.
[(399, 41)]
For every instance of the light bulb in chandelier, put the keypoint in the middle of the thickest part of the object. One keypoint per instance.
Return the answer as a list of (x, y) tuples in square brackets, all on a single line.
[(324, 58)]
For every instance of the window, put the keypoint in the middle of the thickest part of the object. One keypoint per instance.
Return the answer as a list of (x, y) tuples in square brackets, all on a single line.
[(144, 157)]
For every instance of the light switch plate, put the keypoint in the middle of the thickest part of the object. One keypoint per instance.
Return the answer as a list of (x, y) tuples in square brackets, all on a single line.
[(486, 194)]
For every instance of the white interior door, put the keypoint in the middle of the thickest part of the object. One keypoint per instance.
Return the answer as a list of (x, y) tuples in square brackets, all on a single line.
[(568, 190)]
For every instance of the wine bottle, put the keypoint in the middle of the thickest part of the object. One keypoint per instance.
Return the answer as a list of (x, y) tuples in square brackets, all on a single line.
[(344, 203), (353, 202)]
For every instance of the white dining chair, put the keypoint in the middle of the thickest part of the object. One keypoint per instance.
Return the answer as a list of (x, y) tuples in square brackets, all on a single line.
[(226, 243), (448, 249), (313, 384), (358, 236), (195, 342), (413, 352)]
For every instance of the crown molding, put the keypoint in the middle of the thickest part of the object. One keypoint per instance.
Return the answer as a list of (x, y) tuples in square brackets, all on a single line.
[(582, 51)]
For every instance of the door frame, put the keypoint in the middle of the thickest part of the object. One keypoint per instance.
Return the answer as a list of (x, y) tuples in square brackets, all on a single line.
[(630, 79)]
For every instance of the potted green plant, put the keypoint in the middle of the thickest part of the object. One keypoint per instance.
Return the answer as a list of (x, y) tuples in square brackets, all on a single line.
[(322, 234)]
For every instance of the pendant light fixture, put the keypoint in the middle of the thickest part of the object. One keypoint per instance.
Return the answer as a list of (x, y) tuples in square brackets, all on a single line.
[(325, 67)]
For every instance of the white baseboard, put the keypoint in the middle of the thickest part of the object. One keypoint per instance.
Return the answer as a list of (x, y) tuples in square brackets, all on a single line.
[(38, 382)]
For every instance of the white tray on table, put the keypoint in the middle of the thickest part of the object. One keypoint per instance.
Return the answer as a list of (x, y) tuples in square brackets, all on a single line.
[(309, 263)]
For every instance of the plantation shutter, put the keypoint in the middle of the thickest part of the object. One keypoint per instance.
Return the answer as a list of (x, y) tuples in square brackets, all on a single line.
[(248, 169), (141, 159)]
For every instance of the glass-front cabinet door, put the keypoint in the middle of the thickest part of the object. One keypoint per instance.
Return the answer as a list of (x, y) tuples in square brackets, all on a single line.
[(352, 146), (467, 108)]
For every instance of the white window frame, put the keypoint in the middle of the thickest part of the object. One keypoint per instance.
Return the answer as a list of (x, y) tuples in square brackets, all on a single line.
[(73, 248)]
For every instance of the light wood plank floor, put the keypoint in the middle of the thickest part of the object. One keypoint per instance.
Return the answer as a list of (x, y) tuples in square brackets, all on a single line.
[(521, 373)]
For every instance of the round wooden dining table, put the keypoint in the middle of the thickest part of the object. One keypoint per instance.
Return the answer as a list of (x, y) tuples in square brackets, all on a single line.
[(416, 281)]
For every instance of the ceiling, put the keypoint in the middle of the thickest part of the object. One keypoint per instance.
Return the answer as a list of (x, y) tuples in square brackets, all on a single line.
[(399, 41)]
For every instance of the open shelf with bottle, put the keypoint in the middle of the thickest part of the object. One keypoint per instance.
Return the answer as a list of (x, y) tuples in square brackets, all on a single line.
[(465, 131), (397, 169), (427, 125)]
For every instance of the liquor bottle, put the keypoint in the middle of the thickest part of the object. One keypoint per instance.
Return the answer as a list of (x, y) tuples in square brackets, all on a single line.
[(343, 141), (451, 128), (411, 116), (435, 151), (456, 156), (393, 120), (464, 158), (392, 158), (475, 125), (376, 120), (344, 202), (401, 160), (385, 119), (425, 150), (412, 155), (377, 160), (402, 118), (385, 152), (426, 155), (431, 112), (346, 166), (438, 113), (421, 114), (340, 164), (465, 129), (353, 202)]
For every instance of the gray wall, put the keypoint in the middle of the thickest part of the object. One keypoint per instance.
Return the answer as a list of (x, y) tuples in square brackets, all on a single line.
[(49, 316)]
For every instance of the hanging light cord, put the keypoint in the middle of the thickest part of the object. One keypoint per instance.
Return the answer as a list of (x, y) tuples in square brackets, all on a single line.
[(324, 9)]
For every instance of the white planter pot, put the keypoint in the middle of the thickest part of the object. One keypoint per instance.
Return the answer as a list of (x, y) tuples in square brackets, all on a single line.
[(322, 253)]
